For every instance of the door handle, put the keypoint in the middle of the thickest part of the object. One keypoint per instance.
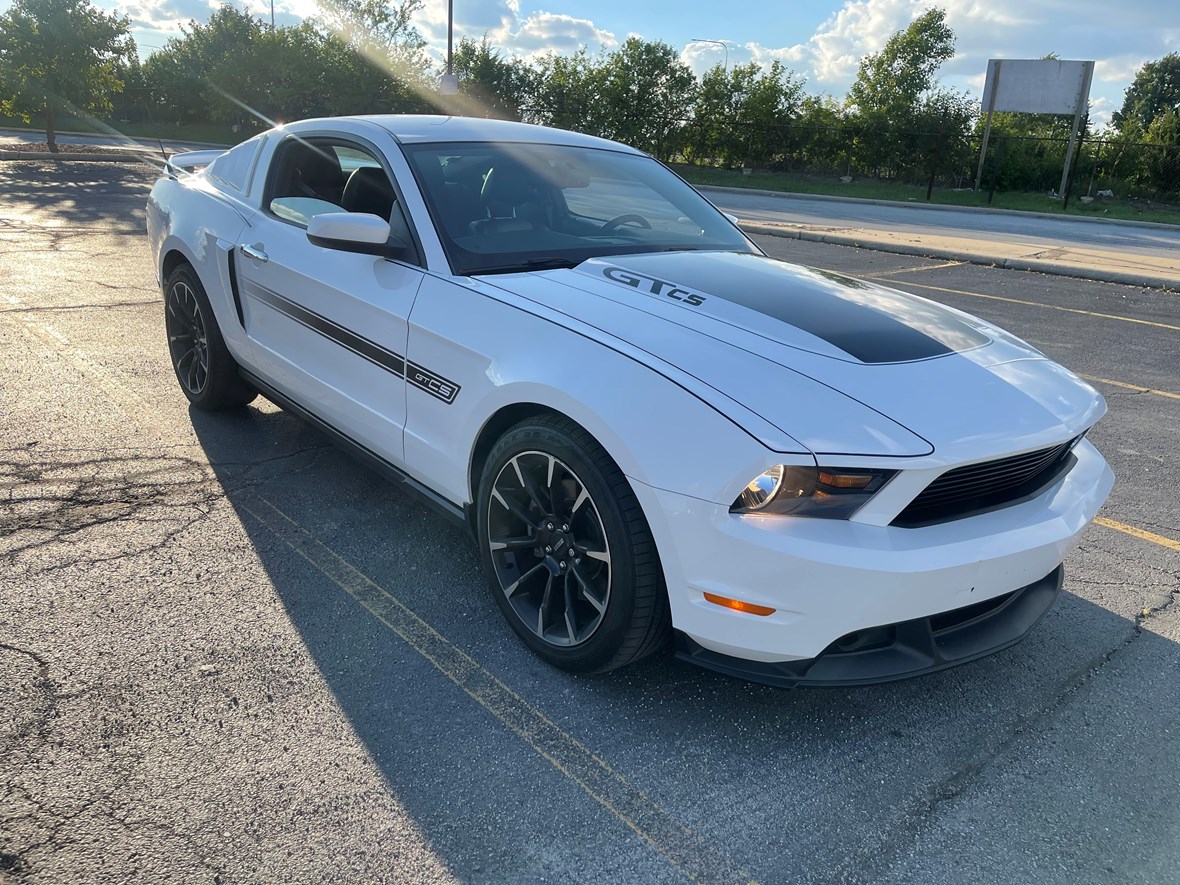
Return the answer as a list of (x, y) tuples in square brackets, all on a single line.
[(253, 252)]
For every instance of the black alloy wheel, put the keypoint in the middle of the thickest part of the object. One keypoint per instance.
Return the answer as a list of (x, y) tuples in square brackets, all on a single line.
[(569, 557), (206, 370), (187, 341)]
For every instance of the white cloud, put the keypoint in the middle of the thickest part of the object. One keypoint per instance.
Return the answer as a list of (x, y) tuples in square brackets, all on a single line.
[(505, 28), (166, 15), (1119, 68)]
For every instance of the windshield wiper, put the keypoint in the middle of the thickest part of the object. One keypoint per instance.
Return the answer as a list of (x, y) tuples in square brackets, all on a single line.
[(527, 265)]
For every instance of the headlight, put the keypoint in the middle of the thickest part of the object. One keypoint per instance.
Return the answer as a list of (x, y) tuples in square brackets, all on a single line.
[(827, 493)]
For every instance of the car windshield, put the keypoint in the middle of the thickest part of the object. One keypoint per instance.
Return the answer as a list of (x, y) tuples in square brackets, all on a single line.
[(501, 208)]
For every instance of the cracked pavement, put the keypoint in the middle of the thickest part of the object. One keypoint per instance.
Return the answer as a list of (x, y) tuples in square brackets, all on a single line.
[(182, 698)]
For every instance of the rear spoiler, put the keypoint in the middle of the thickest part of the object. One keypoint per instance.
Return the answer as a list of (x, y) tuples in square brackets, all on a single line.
[(190, 162)]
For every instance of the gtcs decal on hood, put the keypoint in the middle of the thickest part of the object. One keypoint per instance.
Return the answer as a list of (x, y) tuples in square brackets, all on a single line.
[(869, 323)]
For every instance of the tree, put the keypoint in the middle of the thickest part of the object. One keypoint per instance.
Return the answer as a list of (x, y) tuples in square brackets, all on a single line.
[(496, 86), (1154, 92), (646, 93), (183, 75), (894, 79), (742, 113), (904, 124), (567, 93), (60, 55)]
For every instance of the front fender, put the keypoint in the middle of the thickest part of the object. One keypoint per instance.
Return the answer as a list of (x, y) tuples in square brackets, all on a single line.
[(499, 355)]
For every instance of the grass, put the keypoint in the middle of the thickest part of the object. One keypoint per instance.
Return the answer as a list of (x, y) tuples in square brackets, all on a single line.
[(1128, 209), (210, 132)]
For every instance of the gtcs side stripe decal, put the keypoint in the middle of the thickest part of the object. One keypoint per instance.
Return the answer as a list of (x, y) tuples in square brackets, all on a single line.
[(394, 363)]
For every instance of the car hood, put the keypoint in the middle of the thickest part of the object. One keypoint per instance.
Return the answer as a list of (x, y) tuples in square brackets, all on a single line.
[(842, 365)]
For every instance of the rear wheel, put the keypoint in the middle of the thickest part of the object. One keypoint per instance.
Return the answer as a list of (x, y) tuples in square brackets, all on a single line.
[(568, 554), (207, 373)]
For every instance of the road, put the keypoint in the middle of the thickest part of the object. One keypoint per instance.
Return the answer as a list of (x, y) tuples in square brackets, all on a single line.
[(1014, 229), (228, 653)]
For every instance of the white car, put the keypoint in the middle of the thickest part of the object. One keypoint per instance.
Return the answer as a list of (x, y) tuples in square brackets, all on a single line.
[(651, 428)]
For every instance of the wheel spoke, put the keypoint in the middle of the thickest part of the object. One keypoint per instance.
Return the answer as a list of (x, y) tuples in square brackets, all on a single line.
[(512, 508), (527, 485), (512, 588), (543, 608), (599, 605), (511, 544), (569, 614), (600, 555), (583, 497)]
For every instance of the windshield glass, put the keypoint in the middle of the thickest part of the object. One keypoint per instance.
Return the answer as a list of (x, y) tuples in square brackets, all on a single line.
[(501, 207)]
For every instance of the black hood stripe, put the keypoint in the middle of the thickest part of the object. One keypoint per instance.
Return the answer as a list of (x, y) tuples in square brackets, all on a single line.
[(870, 323)]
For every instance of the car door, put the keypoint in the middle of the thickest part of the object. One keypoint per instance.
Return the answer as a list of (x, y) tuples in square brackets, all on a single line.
[(329, 327)]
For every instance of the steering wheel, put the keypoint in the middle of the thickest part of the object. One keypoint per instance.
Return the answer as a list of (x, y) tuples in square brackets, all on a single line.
[(620, 220)]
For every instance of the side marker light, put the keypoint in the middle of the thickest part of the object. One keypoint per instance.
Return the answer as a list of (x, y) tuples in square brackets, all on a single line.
[(738, 606)]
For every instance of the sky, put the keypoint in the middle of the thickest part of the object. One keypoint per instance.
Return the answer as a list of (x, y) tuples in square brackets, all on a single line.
[(822, 40)]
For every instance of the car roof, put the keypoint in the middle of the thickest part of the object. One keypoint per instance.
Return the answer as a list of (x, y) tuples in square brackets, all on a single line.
[(425, 128)]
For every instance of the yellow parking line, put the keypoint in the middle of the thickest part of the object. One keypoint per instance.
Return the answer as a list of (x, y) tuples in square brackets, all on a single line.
[(1134, 387), (1138, 533), (886, 273), (652, 823), (1091, 313)]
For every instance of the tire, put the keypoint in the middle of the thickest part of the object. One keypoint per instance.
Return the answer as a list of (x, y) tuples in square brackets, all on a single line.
[(207, 373), (568, 554)]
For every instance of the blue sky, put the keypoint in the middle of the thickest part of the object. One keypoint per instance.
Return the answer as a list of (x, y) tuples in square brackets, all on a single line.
[(820, 39)]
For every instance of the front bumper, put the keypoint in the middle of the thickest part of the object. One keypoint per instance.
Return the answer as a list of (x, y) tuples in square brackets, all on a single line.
[(826, 579), (898, 651)]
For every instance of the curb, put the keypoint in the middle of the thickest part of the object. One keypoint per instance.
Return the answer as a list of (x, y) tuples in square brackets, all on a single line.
[(142, 140), (105, 157), (982, 258), (939, 207)]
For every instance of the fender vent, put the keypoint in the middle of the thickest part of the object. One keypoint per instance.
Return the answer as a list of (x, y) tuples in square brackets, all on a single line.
[(966, 491)]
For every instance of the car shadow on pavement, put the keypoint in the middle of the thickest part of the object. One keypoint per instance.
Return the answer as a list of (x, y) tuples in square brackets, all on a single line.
[(764, 772)]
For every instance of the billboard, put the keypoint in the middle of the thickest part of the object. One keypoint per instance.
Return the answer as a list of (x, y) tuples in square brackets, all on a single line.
[(1037, 86)]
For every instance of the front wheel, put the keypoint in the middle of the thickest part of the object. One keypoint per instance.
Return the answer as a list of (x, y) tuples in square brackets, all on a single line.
[(207, 373), (568, 554)]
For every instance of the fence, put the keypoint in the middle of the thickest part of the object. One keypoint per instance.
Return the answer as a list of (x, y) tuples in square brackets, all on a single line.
[(938, 157)]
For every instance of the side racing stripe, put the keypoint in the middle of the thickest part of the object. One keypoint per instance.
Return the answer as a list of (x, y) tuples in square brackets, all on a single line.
[(424, 379)]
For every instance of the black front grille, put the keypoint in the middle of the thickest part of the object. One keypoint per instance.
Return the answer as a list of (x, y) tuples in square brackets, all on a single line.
[(968, 490)]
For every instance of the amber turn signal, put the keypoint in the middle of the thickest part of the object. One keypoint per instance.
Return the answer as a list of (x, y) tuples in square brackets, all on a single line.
[(738, 606)]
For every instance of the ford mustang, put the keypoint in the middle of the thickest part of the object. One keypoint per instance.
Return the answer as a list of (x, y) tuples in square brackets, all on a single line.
[(654, 431)]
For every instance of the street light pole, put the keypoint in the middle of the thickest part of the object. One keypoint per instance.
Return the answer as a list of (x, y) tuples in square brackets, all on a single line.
[(448, 84), (720, 43)]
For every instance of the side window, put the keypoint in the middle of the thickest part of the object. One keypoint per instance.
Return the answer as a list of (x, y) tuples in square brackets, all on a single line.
[(314, 176)]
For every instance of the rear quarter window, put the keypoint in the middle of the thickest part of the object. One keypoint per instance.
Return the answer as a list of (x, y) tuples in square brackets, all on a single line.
[(232, 169)]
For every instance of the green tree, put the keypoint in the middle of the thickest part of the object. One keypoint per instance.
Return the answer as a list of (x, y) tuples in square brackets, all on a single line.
[(184, 75), (743, 113), (496, 86), (567, 93), (646, 94), (1154, 91), (894, 79), (903, 122), (60, 55)]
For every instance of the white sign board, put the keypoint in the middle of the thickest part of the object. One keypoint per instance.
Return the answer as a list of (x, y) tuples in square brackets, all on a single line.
[(1037, 86)]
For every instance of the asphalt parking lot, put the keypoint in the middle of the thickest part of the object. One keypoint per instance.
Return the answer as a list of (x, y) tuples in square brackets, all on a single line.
[(228, 653)]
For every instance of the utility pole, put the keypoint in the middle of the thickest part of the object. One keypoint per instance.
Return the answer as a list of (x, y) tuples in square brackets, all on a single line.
[(272, 15), (449, 84)]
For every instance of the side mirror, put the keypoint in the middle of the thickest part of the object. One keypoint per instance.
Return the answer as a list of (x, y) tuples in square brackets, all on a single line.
[(733, 219), (354, 232)]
